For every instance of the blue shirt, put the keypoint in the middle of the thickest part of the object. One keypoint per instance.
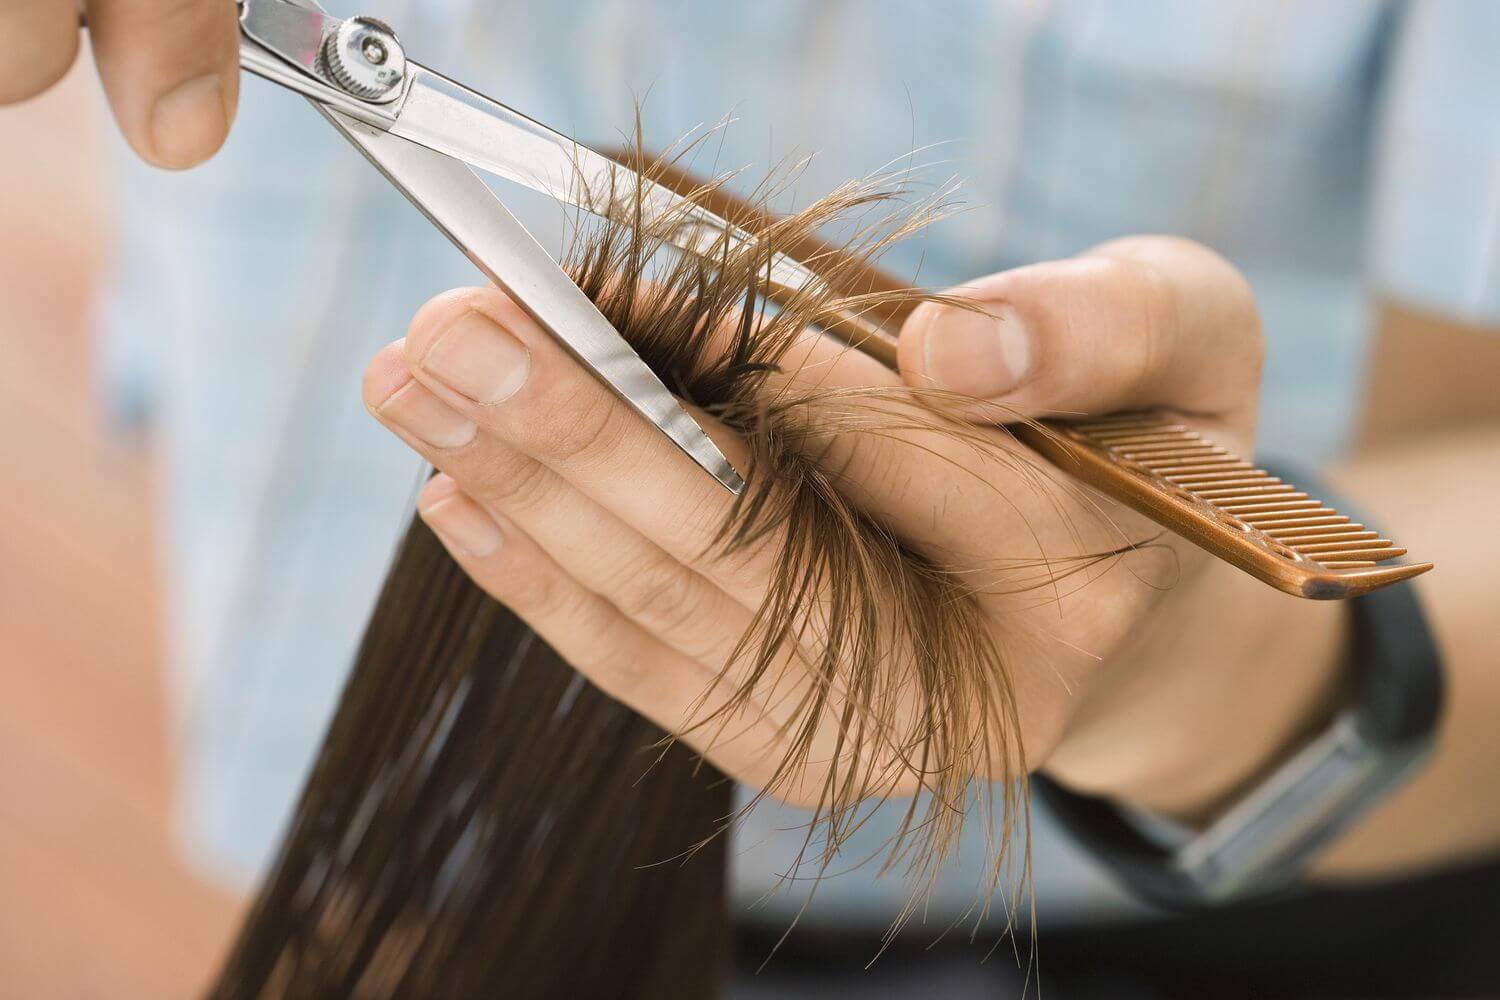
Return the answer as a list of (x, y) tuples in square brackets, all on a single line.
[(1335, 150)]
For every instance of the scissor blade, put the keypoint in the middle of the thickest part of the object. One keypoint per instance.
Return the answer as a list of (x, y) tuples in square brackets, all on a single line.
[(444, 115), (460, 205)]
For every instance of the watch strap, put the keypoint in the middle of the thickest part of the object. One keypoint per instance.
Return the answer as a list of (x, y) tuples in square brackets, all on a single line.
[(1263, 841)]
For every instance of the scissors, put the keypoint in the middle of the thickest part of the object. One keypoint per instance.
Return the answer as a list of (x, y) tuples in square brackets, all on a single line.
[(428, 135)]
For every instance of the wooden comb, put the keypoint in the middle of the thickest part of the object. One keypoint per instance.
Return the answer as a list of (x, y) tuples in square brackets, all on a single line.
[(1147, 461)]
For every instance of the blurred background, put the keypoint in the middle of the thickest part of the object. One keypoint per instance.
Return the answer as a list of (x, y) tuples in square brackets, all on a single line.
[(96, 899)]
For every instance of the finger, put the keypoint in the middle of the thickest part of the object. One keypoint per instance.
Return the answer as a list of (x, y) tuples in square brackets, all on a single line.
[(42, 41), (974, 502), (915, 481), (171, 71), (513, 381), (1141, 322), (667, 599), (615, 654), (476, 350), (590, 544), (999, 497)]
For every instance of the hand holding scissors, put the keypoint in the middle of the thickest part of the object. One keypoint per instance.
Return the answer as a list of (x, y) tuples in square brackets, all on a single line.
[(170, 68)]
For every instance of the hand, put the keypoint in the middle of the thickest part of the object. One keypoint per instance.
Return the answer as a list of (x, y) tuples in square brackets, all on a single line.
[(593, 528), (170, 68)]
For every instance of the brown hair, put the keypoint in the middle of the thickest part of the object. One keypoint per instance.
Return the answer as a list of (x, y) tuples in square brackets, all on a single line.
[(481, 821)]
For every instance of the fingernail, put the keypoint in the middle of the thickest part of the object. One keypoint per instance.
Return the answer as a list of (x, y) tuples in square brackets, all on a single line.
[(464, 524), (188, 122), (980, 354), (476, 357), (417, 411)]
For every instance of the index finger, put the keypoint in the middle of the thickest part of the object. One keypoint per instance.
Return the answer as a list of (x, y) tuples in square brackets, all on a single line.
[(481, 353), (171, 71)]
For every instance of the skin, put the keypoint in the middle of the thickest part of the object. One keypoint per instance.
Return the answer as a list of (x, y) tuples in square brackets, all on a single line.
[(1430, 465), (544, 501), (170, 68), (1169, 685)]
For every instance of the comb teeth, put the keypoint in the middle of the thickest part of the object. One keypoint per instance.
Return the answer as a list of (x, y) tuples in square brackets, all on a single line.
[(1242, 514)]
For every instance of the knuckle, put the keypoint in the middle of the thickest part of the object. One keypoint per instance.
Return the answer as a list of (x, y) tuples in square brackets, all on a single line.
[(1145, 267), (661, 595), (611, 658), (536, 593), (1151, 323), (620, 670), (588, 425), (514, 485)]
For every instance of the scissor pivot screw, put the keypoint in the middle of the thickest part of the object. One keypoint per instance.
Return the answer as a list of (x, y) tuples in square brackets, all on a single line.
[(364, 57)]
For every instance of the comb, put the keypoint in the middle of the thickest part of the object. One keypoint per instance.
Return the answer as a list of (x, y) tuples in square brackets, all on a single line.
[(1244, 515), (1149, 462)]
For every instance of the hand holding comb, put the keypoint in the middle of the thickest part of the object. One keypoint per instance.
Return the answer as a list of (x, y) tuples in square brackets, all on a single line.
[(1147, 461)]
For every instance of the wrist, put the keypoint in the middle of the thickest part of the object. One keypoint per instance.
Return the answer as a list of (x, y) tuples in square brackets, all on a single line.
[(1224, 679)]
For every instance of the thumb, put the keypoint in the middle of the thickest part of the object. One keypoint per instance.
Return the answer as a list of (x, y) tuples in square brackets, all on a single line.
[(1140, 322)]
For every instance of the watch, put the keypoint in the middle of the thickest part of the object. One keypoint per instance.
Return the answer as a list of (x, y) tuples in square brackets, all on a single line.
[(1261, 842)]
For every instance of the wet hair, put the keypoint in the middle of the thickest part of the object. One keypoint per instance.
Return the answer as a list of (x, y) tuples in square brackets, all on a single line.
[(482, 821)]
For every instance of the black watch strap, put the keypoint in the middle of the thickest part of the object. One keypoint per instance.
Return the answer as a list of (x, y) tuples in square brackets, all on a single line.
[(1263, 841)]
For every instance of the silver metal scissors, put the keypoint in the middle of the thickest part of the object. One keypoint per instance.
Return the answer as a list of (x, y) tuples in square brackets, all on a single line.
[(425, 132)]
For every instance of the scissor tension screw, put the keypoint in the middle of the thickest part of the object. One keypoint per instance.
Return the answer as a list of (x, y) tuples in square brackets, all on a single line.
[(365, 59)]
